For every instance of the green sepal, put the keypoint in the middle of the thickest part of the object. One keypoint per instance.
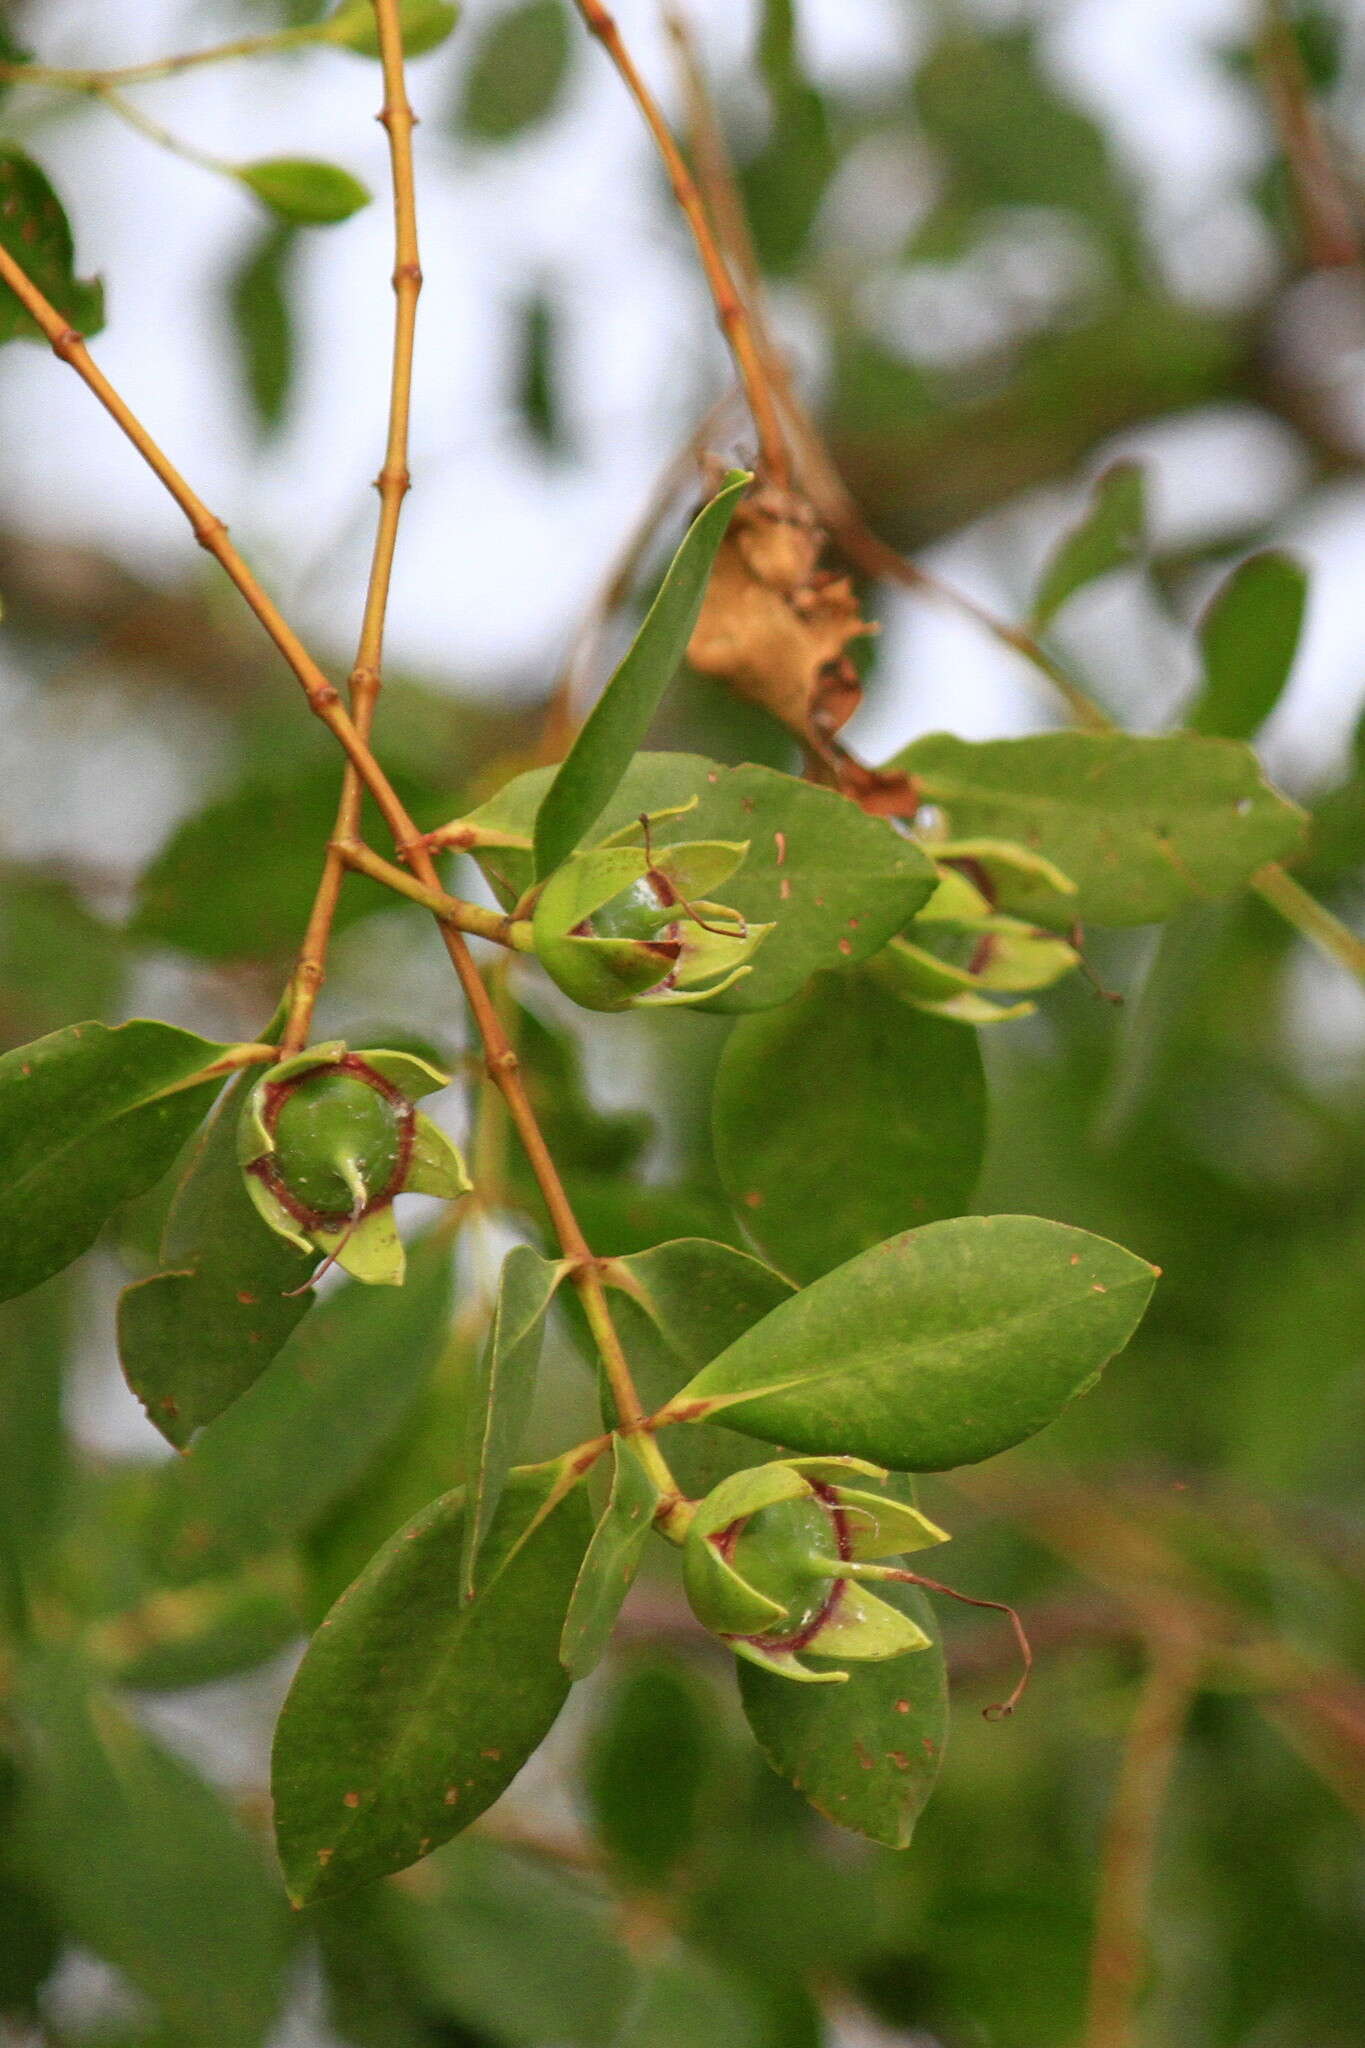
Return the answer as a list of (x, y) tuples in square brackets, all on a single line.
[(865, 1629), (785, 1664), (878, 1526), (435, 1165), (721, 1600), (370, 1250)]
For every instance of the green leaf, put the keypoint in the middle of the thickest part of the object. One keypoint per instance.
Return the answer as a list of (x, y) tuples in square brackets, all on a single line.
[(1108, 537), (515, 1951), (535, 352), (195, 1335), (1248, 638), (517, 73), (501, 1391), (298, 1440), (1006, 137), (414, 1709), (835, 883), (177, 1637), (33, 1451), (425, 24), (34, 230), (846, 1087), (865, 1753), (424, 1458), (146, 1865), (592, 770), (937, 1348), (676, 1308), (56, 960), (684, 2000), (1143, 826), (785, 182), (652, 1758), (86, 1123), (301, 189), (262, 322), (254, 907), (612, 1560)]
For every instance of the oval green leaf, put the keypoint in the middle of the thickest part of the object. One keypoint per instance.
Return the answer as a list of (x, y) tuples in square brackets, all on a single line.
[(302, 189), (937, 1348), (846, 1086), (413, 1709), (612, 1560), (1108, 536), (519, 68), (1248, 638), (86, 1123), (424, 25), (1144, 826), (34, 230)]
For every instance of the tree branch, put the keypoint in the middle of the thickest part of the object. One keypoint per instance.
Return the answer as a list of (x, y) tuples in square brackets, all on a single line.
[(730, 308), (393, 482), (1118, 1961)]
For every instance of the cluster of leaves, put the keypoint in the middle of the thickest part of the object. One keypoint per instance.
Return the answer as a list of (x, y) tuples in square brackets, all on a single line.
[(805, 1278)]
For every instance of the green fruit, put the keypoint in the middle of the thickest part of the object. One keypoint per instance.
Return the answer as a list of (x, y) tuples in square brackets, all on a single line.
[(340, 1139)]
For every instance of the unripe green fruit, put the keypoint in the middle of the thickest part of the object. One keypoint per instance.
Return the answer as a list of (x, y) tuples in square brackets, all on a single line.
[(336, 1133), (777, 1552), (328, 1138), (639, 912), (775, 1561)]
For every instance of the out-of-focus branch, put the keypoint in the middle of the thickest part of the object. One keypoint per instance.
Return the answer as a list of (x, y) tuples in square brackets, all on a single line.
[(731, 311), (1118, 1959), (1331, 238)]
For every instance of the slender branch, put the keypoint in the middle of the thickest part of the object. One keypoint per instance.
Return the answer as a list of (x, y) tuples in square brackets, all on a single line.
[(325, 702), (60, 78), (730, 308), (1331, 240), (128, 111), (393, 483), (514, 933), (1118, 1960), (1310, 918)]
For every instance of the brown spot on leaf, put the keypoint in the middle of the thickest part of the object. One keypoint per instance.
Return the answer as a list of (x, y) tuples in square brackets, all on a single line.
[(350, 1799), (754, 1198), (846, 946), (902, 1706), (898, 1758), (247, 1300), (452, 1795), (325, 1856)]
